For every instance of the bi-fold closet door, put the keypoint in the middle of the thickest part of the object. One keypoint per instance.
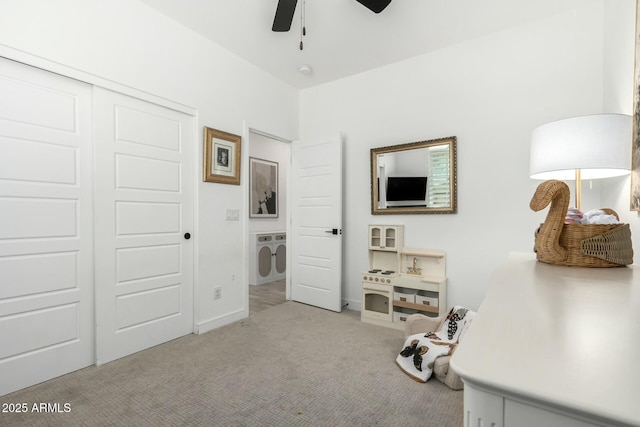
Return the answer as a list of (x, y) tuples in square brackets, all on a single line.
[(96, 195)]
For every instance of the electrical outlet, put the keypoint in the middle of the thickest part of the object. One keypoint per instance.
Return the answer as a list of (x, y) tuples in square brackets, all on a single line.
[(217, 292)]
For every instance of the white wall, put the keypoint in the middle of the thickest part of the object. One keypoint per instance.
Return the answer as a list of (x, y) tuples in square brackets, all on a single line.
[(126, 42), (490, 93)]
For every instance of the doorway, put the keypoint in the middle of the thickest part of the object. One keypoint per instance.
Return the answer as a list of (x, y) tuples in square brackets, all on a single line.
[(269, 161)]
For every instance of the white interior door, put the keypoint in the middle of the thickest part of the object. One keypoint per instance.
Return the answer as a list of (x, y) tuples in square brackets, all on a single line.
[(316, 223), (46, 258), (144, 208)]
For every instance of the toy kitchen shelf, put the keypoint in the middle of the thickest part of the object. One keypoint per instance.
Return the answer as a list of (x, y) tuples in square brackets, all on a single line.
[(401, 281)]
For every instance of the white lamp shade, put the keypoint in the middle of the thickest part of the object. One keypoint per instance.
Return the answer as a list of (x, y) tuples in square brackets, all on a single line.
[(599, 145)]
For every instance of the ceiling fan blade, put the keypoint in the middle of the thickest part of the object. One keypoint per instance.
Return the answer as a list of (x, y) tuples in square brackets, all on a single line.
[(284, 15), (376, 6)]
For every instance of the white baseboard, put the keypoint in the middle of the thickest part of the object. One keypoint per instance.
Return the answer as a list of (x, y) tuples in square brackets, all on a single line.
[(351, 305), (217, 322)]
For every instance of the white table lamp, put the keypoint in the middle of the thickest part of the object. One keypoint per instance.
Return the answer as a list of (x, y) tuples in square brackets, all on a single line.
[(586, 147)]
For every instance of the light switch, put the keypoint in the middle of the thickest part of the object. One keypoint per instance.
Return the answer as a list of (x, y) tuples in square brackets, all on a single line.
[(233, 214)]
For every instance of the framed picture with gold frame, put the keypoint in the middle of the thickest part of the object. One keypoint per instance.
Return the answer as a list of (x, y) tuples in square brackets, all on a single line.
[(221, 157)]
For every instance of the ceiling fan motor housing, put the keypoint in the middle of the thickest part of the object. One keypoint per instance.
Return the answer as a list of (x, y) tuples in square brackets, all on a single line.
[(286, 9), (376, 6)]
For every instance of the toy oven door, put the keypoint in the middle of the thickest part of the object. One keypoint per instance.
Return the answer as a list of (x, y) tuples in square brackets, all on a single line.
[(376, 301)]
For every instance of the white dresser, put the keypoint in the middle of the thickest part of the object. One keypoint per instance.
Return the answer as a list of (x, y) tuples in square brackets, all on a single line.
[(554, 346)]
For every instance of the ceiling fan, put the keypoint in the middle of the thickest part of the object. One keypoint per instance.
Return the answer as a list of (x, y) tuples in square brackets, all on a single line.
[(286, 8)]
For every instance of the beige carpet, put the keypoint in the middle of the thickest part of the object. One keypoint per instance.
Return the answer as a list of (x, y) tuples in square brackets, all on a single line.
[(289, 365)]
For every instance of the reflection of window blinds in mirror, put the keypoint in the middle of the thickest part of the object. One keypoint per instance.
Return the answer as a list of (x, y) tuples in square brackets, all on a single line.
[(438, 186)]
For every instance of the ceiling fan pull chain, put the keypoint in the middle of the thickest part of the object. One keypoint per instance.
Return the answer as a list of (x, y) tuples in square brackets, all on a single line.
[(303, 28)]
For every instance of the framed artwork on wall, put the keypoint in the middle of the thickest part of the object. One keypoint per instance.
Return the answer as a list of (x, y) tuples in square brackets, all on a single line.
[(635, 139), (263, 188), (221, 157)]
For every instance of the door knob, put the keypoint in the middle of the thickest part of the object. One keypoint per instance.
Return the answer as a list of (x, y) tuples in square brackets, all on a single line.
[(187, 236)]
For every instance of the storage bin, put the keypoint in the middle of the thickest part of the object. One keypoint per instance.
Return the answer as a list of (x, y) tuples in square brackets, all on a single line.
[(404, 295), (425, 300), (401, 316)]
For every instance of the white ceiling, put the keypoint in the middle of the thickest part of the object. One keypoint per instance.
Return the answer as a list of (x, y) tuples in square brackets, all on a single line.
[(345, 38)]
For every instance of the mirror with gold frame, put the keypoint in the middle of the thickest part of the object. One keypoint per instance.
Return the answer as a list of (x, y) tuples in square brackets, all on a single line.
[(415, 178)]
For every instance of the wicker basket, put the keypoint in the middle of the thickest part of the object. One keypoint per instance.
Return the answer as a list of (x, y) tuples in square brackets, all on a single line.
[(582, 245)]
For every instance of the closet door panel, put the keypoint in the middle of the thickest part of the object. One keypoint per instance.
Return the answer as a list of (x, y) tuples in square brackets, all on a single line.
[(159, 175), (150, 128), (38, 274), (147, 262), (36, 102), (22, 161), (135, 218)]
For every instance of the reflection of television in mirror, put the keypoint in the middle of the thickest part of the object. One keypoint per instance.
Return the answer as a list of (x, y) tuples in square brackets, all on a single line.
[(401, 188)]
